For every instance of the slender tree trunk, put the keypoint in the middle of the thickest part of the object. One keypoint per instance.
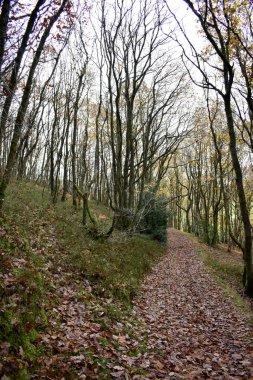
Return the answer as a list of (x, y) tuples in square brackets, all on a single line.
[(66, 157), (248, 274), (14, 75), (74, 138), (4, 18)]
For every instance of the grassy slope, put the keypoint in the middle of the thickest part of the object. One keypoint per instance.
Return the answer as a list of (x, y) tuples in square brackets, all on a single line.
[(227, 269), (42, 248)]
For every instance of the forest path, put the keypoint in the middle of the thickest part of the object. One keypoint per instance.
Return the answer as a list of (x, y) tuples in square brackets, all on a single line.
[(194, 331)]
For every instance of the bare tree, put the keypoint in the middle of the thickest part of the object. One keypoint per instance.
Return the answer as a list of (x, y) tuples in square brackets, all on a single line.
[(215, 20), (27, 89), (135, 63)]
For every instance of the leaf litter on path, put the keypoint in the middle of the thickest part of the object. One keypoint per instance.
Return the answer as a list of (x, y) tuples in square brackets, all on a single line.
[(198, 333)]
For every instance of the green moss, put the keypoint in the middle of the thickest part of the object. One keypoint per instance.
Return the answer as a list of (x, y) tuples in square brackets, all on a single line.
[(14, 331), (115, 266), (40, 238), (23, 375)]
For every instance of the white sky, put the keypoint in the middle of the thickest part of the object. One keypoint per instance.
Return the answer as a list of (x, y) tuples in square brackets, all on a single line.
[(188, 21)]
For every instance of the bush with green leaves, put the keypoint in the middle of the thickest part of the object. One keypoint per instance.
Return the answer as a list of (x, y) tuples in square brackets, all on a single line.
[(154, 221)]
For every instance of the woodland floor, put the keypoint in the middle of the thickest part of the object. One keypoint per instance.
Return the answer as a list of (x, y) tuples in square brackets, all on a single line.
[(182, 327), (182, 324), (198, 330)]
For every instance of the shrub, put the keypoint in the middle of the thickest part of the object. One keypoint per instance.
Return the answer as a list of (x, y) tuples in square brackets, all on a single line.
[(155, 217)]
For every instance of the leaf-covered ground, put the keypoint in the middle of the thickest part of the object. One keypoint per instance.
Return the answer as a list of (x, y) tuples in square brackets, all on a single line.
[(182, 327), (64, 297), (196, 331)]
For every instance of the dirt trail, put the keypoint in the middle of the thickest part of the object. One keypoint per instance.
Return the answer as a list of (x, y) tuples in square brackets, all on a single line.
[(194, 331)]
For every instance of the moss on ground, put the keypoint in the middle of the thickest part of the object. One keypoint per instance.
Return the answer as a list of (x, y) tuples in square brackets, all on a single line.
[(37, 239)]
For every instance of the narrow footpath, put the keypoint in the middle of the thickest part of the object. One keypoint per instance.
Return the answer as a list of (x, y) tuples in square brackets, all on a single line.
[(194, 331)]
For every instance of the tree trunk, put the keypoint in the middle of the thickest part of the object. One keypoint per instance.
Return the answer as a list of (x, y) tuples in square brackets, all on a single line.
[(247, 253), (14, 75), (24, 104)]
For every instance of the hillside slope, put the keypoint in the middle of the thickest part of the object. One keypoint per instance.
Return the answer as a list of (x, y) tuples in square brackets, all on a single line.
[(52, 272)]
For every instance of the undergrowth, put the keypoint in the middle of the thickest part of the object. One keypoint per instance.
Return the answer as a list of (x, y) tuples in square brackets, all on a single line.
[(114, 266), (228, 275), (38, 241)]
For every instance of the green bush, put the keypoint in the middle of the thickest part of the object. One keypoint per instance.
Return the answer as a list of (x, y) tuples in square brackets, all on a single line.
[(155, 218)]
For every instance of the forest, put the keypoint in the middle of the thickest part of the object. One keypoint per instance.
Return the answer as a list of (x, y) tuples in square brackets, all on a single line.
[(123, 118)]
